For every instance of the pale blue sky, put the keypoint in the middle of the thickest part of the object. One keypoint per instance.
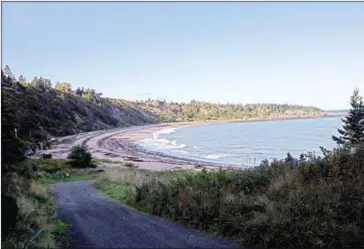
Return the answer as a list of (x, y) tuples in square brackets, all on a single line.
[(246, 52)]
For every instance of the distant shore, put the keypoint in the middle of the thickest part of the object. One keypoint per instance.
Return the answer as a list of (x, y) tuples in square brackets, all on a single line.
[(279, 118)]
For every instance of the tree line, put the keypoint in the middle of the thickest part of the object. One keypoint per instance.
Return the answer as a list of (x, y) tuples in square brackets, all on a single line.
[(195, 110), (172, 111)]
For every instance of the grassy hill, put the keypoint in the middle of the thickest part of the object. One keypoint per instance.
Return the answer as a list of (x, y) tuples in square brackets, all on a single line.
[(42, 111), (57, 113)]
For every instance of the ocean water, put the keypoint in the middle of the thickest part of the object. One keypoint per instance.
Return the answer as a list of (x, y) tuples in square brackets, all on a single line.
[(245, 144)]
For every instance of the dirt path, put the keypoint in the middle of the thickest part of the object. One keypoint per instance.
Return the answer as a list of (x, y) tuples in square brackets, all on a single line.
[(99, 222)]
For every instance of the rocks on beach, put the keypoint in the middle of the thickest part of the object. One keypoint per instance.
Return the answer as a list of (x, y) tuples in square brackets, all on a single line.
[(110, 145)]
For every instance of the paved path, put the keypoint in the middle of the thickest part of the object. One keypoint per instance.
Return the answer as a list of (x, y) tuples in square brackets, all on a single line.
[(99, 222)]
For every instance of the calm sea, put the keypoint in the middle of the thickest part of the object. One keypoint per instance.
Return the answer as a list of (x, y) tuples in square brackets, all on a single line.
[(246, 143)]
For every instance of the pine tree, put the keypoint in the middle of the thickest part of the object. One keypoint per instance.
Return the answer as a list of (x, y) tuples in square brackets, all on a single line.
[(12, 147), (22, 80), (9, 73), (352, 132)]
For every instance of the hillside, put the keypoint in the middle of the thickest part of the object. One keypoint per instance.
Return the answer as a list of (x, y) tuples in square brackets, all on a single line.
[(44, 111), (172, 112)]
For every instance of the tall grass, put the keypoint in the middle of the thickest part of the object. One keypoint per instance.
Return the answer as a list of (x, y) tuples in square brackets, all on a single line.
[(319, 204), (36, 209)]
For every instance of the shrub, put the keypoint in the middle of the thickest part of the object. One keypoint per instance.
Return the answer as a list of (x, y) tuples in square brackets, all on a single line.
[(47, 156), (318, 204), (129, 165), (34, 208), (80, 157), (51, 165), (9, 211)]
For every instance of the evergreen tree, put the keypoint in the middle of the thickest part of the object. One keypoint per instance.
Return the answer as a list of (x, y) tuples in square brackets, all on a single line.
[(34, 82), (78, 91), (12, 147), (80, 157), (22, 81), (352, 132), (63, 87), (289, 158), (9, 73)]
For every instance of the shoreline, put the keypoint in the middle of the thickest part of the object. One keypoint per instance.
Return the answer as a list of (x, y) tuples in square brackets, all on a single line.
[(121, 145), (129, 142), (282, 118)]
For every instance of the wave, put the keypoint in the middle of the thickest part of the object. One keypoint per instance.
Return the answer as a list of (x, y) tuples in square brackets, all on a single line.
[(164, 131), (162, 143), (184, 152), (237, 147), (217, 156)]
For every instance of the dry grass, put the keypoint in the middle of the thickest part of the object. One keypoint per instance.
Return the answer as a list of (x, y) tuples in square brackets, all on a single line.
[(319, 204), (111, 161), (134, 177), (36, 210)]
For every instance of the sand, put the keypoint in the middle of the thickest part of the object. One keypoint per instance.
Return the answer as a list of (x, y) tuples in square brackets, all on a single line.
[(121, 145)]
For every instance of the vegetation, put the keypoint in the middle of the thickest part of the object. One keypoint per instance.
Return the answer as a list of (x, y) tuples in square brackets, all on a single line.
[(28, 207), (73, 177), (352, 132), (36, 212), (41, 111), (313, 202), (80, 157), (317, 204), (69, 111), (198, 111), (26, 191)]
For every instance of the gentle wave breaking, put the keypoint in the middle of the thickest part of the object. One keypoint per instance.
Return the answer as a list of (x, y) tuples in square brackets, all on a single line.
[(163, 143), (217, 156), (164, 131)]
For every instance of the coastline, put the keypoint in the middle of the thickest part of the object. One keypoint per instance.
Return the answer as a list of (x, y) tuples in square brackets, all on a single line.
[(128, 142), (121, 145)]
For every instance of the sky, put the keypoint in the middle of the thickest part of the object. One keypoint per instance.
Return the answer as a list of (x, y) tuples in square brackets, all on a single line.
[(307, 53)]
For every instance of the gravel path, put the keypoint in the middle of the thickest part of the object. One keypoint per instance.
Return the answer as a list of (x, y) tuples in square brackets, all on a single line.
[(99, 222)]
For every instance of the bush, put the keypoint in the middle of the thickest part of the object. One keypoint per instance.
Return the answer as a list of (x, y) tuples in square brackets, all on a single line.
[(9, 211), (51, 165), (319, 204), (32, 205), (129, 165), (47, 156), (80, 157)]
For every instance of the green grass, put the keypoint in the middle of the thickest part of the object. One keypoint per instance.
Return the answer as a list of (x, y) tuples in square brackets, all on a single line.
[(72, 178), (30, 187), (319, 204), (48, 169), (123, 193), (106, 160), (60, 230), (36, 210), (60, 227), (50, 165)]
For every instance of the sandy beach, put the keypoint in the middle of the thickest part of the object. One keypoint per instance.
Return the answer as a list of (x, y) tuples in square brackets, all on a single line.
[(121, 145)]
